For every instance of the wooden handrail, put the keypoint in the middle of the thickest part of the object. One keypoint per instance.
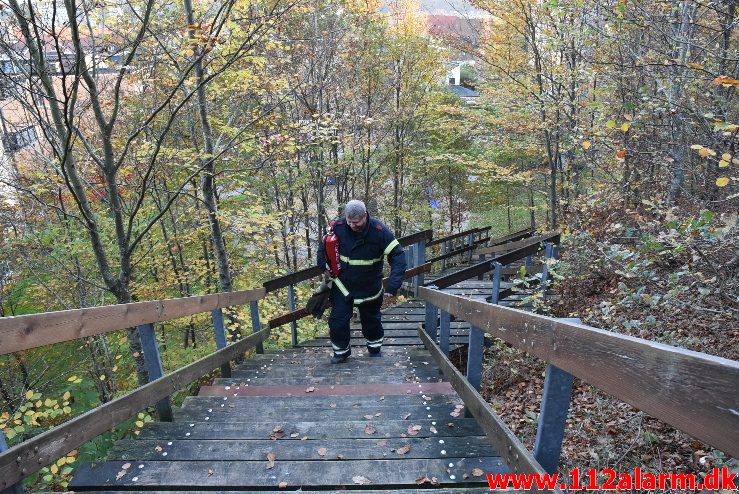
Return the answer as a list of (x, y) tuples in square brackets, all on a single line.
[(454, 236), (695, 392), (416, 237), (503, 247), (459, 251), (32, 455), (34, 330), (532, 247), (512, 237)]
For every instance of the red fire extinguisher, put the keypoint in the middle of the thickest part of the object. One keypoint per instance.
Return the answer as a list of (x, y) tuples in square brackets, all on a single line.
[(331, 247)]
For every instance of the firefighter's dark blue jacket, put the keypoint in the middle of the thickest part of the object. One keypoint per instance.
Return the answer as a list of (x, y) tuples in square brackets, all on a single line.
[(362, 255)]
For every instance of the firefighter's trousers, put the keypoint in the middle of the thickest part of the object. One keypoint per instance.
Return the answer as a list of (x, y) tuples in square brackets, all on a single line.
[(341, 314)]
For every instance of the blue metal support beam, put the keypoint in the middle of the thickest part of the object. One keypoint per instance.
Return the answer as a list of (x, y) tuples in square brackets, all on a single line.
[(420, 260), (13, 489), (555, 404), (431, 320), (153, 361), (291, 305), (497, 272), (475, 350), (444, 330), (256, 324), (220, 333)]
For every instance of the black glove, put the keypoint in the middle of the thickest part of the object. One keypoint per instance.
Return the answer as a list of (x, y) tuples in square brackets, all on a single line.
[(320, 300)]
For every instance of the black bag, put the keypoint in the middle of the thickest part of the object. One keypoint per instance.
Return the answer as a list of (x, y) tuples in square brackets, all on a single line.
[(320, 300)]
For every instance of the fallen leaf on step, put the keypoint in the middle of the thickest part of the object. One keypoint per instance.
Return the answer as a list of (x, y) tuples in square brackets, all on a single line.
[(413, 429), (405, 417), (310, 389), (369, 417), (120, 474), (282, 484), (361, 480), (426, 480), (369, 429), (322, 451), (270, 460), (126, 466), (210, 472), (403, 449), (477, 472), (381, 443), (158, 449), (433, 429)]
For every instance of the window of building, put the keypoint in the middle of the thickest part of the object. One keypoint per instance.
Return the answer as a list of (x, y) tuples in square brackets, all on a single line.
[(452, 81)]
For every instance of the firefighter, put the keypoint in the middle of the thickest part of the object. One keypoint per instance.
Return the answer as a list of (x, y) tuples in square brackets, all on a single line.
[(363, 243)]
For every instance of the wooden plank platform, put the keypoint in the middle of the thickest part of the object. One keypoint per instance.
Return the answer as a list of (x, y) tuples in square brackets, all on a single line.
[(290, 420)]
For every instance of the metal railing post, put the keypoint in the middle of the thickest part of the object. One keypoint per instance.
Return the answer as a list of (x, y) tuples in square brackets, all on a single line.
[(291, 304), (16, 488), (256, 325), (475, 350), (555, 404), (220, 333), (431, 319), (482, 258), (470, 244), (444, 250), (497, 270), (420, 260), (153, 361), (444, 330)]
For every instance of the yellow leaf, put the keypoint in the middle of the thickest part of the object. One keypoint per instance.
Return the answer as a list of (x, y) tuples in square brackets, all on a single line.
[(726, 81), (102, 378), (705, 152), (29, 394), (723, 164), (66, 396), (722, 181), (625, 127), (586, 144), (139, 423), (696, 146), (726, 157), (695, 66), (54, 469), (61, 462), (39, 404), (610, 124), (71, 379)]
